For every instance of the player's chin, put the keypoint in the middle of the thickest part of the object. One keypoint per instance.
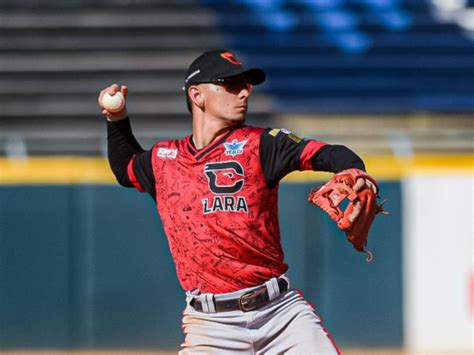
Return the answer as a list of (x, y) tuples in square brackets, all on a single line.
[(240, 114), (238, 118)]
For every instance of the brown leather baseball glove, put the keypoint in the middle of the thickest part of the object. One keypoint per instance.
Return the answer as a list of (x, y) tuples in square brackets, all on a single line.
[(356, 219)]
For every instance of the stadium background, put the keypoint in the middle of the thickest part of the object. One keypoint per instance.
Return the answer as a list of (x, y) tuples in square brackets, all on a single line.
[(84, 263)]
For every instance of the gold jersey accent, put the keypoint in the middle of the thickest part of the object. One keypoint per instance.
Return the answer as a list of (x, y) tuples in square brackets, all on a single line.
[(274, 132), (294, 138)]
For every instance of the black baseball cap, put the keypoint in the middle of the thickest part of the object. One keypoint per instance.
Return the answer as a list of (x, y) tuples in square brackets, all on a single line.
[(217, 65)]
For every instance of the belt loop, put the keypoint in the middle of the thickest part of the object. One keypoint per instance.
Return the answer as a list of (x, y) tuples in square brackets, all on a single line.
[(287, 279), (208, 303), (272, 288)]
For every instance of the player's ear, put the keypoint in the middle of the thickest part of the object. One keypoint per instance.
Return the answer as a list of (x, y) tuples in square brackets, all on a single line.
[(196, 95)]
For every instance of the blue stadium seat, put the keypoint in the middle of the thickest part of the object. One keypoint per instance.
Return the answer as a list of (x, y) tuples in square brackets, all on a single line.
[(329, 56)]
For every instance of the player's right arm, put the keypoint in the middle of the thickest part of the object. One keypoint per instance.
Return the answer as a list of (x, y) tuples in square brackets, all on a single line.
[(129, 162)]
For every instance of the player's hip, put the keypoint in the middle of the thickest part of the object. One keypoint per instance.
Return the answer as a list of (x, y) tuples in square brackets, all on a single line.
[(244, 300)]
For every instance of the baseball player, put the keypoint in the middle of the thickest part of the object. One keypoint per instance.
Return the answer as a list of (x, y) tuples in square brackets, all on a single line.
[(217, 195)]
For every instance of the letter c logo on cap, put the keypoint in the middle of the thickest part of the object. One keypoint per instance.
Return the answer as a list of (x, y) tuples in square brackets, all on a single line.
[(230, 57)]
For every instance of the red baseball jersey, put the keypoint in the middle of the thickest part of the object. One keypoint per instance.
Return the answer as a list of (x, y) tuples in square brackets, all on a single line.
[(219, 205)]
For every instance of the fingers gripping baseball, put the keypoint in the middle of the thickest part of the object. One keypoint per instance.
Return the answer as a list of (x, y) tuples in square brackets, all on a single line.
[(112, 101)]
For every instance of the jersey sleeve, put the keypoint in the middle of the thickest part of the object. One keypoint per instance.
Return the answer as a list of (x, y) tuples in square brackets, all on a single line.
[(281, 152), (140, 173)]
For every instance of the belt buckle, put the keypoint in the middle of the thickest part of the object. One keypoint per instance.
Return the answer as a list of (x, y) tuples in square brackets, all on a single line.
[(247, 302)]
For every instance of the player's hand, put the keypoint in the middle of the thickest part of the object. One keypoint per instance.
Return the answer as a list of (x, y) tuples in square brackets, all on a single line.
[(361, 183), (112, 90)]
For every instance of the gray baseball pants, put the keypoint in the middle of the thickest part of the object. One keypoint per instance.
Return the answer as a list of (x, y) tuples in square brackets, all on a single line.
[(287, 325)]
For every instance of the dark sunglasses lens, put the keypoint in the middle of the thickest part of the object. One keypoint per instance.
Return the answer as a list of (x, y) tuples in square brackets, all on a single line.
[(236, 83)]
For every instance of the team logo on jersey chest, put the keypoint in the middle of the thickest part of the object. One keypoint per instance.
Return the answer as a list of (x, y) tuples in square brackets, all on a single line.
[(225, 179), (234, 148)]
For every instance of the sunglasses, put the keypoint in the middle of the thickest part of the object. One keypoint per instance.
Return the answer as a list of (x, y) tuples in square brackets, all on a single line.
[(232, 84)]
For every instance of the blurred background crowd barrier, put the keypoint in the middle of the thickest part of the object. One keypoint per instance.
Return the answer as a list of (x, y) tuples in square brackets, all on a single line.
[(84, 263)]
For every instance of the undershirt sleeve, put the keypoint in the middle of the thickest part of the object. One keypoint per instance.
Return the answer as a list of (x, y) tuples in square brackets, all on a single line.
[(128, 161), (336, 158)]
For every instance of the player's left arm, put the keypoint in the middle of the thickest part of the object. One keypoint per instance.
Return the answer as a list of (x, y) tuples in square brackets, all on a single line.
[(281, 152), (335, 158)]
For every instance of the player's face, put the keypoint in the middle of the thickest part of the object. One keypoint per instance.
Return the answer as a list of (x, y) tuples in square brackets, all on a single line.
[(228, 100)]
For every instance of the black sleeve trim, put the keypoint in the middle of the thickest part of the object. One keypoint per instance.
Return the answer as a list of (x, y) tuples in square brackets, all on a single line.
[(279, 155), (335, 158), (121, 147)]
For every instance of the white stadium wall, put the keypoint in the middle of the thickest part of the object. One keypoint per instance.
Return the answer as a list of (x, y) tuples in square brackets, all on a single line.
[(438, 254)]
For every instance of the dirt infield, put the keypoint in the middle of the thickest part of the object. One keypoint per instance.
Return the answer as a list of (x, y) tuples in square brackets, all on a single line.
[(119, 352)]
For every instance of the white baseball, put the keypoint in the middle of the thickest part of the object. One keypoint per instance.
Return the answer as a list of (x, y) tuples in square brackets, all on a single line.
[(113, 103)]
